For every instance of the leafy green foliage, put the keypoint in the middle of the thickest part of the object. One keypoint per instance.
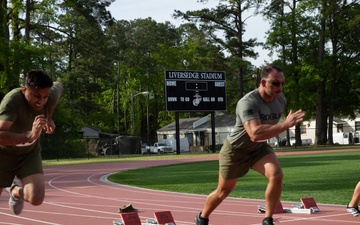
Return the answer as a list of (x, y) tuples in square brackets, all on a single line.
[(67, 141), (101, 61)]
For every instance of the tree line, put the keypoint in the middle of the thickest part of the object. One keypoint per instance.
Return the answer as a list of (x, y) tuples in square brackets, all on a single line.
[(113, 70)]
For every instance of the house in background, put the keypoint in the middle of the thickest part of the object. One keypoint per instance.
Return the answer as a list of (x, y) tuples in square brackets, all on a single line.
[(109, 143), (198, 131), (90, 132), (339, 126)]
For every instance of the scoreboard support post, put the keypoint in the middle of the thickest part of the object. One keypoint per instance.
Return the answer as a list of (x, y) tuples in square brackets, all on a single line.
[(213, 131), (177, 134)]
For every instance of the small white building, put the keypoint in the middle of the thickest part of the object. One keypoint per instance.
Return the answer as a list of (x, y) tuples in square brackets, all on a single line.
[(199, 133), (198, 130), (339, 126)]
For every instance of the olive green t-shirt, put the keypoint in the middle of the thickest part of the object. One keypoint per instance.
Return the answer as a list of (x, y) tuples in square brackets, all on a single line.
[(252, 106), (15, 108)]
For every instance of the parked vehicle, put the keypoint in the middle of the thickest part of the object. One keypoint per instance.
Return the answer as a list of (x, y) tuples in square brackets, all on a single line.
[(305, 141), (184, 144), (282, 142), (161, 148), (343, 138), (145, 149)]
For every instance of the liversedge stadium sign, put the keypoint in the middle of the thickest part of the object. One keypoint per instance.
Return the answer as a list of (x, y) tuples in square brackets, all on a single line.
[(187, 90)]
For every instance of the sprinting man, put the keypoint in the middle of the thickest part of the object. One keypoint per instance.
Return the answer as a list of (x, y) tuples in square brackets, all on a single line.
[(353, 206), (24, 113), (257, 119)]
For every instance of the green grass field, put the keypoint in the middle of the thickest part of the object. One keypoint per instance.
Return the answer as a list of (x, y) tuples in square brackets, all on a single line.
[(329, 178)]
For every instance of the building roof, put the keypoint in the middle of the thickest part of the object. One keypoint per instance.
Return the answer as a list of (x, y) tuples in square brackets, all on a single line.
[(223, 120), (338, 121), (184, 125), (93, 132), (192, 124)]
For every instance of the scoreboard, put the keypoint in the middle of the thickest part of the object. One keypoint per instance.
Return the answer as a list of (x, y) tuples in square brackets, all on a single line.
[(187, 90)]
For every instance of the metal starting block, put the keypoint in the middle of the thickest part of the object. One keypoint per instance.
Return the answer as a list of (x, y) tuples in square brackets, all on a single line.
[(307, 206), (118, 222), (132, 218), (151, 221), (148, 222), (278, 208), (302, 211)]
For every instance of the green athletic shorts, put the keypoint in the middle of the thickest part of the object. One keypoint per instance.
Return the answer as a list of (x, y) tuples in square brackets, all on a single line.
[(19, 165), (235, 163)]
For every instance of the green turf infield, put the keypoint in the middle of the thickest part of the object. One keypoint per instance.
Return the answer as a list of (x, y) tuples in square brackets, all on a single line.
[(329, 178)]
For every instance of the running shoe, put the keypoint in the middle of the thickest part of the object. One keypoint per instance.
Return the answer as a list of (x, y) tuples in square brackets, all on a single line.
[(127, 208), (16, 205), (353, 210), (268, 221), (201, 221)]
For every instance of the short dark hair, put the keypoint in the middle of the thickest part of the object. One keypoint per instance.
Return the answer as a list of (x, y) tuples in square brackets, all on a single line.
[(37, 79), (268, 69)]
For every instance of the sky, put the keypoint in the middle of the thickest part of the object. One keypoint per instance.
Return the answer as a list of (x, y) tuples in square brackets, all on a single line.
[(162, 10)]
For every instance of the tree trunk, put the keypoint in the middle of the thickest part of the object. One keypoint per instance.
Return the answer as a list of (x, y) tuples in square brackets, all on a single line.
[(321, 115), (27, 21), (6, 78)]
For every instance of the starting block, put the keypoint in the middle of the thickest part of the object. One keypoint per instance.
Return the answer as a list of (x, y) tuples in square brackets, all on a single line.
[(164, 218), (278, 209), (297, 210), (309, 207), (309, 203), (131, 218), (118, 222)]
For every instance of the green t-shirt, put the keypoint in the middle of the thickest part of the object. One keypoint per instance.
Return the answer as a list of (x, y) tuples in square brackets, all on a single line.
[(15, 108), (252, 106)]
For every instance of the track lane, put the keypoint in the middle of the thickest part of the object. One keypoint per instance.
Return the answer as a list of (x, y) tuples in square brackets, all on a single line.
[(80, 194)]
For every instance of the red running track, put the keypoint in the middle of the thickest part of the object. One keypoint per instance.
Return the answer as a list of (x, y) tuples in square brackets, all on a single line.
[(80, 195)]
